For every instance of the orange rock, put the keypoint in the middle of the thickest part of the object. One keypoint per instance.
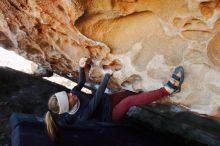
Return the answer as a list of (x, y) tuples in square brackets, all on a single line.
[(177, 22), (197, 35), (206, 11), (218, 5)]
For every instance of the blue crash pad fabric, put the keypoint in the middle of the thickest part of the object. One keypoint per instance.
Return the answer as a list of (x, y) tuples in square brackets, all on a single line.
[(29, 130)]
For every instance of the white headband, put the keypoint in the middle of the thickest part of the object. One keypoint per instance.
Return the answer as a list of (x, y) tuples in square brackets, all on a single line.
[(63, 101)]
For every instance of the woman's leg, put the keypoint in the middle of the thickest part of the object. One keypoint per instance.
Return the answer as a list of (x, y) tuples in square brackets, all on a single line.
[(136, 100), (174, 85), (115, 98), (104, 110)]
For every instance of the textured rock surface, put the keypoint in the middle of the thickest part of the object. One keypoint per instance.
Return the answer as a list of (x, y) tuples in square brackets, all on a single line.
[(142, 40)]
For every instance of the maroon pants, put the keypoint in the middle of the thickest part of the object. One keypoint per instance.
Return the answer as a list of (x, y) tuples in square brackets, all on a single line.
[(122, 101)]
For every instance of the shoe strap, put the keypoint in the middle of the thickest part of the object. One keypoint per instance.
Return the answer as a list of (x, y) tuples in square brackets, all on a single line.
[(174, 76), (171, 85)]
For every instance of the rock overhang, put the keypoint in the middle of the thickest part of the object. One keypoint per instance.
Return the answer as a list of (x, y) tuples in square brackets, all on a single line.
[(142, 40)]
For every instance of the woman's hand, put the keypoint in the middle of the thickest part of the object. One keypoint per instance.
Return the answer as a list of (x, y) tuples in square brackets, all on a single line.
[(82, 62), (108, 71)]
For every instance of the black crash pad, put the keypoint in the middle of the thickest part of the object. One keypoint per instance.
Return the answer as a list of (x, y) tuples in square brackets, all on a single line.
[(29, 130)]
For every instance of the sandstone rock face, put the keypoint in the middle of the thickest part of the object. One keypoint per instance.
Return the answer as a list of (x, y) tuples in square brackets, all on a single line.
[(142, 40)]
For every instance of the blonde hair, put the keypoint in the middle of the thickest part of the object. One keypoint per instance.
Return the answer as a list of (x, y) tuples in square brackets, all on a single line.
[(52, 127)]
